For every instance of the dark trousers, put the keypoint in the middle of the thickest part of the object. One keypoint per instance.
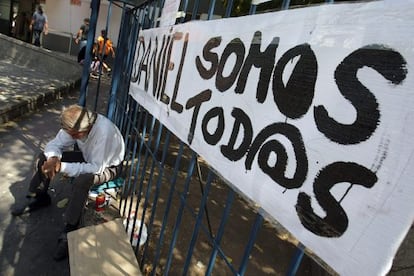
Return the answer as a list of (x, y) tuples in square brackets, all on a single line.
[(36, 35), (80, 184)]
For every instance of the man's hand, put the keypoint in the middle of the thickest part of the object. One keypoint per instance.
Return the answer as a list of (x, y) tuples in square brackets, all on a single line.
[(51, 167)]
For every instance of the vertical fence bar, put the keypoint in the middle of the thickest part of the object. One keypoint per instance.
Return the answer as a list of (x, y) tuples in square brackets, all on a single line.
[(133, 138), (149, 182), (184, 4), (129, 138), (123, 59), (198, 223), (256, 226), (143, 171), (252, 9), (195, 10), (119, 59), (101, 59), (157, 191), (151, 14), (296, 260), (168, 205), (229, 8), (183, 198), (285, 4), (95, 4), (138, 163), (211, 9), (220, 233)]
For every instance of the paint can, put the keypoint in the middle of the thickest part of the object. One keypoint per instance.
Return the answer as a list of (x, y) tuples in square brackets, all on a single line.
[(100, 202)]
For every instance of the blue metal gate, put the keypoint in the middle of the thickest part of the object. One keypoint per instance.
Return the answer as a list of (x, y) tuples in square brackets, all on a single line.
[(194, 222)]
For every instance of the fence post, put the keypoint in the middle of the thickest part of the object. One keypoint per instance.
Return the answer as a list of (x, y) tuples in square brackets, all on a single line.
[(95, 4)]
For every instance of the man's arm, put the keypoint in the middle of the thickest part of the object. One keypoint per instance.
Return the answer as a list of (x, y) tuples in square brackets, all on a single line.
[(53, 152), (56, 146), (45, 28), (79, 35), (109, 49), (31, 23), (112, 50)]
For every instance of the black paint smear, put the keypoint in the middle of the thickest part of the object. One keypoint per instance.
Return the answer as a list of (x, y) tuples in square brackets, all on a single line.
[(144, 66), (241, 119), (157, 64), (264, 60), (213, 139), (295, 98), (335, 223), (135, 76), (390, 64), (236, 47), (277, 172), (174, 104), (166, 56), (208, 56), (196, 102)]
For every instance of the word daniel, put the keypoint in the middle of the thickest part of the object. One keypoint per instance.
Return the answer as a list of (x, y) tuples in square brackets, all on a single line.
[(293, 99)]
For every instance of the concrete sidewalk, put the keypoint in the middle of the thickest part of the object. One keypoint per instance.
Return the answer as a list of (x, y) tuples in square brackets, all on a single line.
[(31, 100), (32, 95), (31, 77), (28, 242)]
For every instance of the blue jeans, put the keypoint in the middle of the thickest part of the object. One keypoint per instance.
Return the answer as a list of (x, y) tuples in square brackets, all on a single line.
[(36, 37)]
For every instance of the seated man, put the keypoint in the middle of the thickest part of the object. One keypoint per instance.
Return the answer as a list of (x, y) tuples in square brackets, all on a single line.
[(100, 158)]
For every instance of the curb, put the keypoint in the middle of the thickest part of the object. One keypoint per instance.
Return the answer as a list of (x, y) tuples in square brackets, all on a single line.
[(34, 103), (31, 77)]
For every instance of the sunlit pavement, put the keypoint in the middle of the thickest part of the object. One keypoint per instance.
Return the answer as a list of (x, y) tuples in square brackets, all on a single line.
[(27, 242)]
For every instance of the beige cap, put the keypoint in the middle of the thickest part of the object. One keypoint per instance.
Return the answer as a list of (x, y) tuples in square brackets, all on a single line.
[(76, 117)]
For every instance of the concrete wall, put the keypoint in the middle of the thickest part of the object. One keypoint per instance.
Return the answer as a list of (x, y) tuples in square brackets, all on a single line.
[(66, 18)]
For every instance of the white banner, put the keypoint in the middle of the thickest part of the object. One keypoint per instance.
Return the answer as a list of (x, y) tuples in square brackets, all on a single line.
[(309, 112), (169, 12)]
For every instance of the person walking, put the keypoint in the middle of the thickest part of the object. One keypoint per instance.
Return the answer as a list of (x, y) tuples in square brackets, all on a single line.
[(99, 160), (81, 39), (105, 48), (38, 25)]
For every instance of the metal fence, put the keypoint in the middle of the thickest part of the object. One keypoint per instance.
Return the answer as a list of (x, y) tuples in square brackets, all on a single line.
[(192, 221)]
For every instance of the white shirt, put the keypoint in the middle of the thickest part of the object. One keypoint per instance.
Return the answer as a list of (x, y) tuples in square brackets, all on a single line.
[(103, 147)]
